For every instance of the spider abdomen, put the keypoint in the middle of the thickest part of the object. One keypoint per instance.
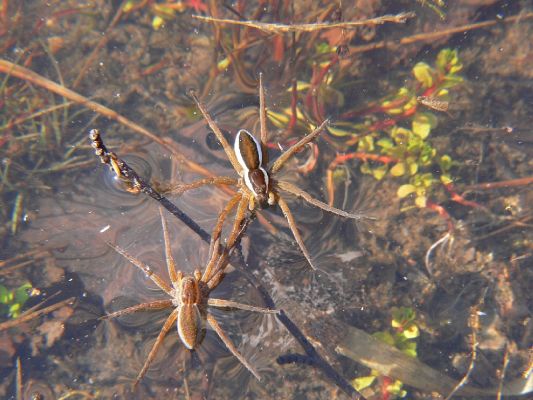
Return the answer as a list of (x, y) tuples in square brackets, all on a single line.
[(190, 325), (249, 153)]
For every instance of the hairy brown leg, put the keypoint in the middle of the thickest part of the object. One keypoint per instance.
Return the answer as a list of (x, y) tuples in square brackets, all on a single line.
[(227, 148), (164, 330), (153, 305), (171, 265), (287, 154), (229, 344), (216, 180), (221, 303), (215, 236), (145, 268), (294, 229), (296, 191)]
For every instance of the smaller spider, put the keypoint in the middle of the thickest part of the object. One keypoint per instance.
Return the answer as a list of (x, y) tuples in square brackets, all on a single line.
[(258, 186), (189, 298)]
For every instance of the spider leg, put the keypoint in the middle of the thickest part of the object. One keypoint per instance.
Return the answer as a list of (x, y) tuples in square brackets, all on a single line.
[(179, 189), (145, 268), (287, 154), (229, 344), (238, 229), (292, 225), (296, 191), (221, 303), (171, 264), (164, 330), (239, 217), (263, 119), (219, 135), (215, 235), (153, 305)]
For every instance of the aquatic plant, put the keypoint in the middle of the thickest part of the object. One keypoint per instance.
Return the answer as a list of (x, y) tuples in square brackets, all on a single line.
[(402, 336), (12, 301), (393, 140)]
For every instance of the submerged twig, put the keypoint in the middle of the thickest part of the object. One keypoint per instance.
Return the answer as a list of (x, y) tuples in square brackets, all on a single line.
[(136, 184), (311, 27), (431, 36), (473, 323), (28, 317)]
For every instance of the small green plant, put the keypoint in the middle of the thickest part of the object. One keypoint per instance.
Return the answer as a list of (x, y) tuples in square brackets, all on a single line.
[(12, 301), (402, 336), (407, 149)]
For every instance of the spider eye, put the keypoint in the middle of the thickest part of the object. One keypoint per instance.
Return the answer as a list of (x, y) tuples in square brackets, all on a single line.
[(248, 150)]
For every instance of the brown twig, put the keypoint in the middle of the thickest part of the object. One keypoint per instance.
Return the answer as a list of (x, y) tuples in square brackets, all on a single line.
[(501, 184), (426, 37), (283, 28), (28, 317)]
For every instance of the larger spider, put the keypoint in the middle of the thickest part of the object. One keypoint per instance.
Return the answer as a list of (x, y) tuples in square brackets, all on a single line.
[(258, 186), (189, 298)]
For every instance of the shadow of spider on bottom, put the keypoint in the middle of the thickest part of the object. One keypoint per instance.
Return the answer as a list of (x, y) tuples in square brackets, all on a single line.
[(257, 184), (189, 298)]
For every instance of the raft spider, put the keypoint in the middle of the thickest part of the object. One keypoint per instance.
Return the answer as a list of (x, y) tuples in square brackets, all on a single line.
[(258, 186), (189, 298)]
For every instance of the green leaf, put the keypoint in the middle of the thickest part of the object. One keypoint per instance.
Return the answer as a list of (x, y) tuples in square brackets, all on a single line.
[(400, 135), (446, 179), (385, 143), (21, 294), (445, 163), (411, 331), (395, 389), (401, 316), (423, 123), (157, 22), (338, 132), (413, 168), (4, 295), (421, 201), (409, 348), (451, 81), (398, 169), (366, 144), (363, 382), (405, 190), (380, 172), (443, 59), (14, 310), (423, 74)]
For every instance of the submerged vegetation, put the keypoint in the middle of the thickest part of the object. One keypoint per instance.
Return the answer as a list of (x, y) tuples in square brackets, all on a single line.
[(386, 113)]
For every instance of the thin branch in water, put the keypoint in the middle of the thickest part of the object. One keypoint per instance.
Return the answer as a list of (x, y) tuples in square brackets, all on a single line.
[(283, 28), (431, 36), (24, 318)]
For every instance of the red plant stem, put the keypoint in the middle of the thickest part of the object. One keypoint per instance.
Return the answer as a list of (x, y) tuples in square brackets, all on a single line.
[(279, 49), (154, 68), (385, 383), (311, 99), (442, 212), (342, 158), (502, 184), (460, 199)]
